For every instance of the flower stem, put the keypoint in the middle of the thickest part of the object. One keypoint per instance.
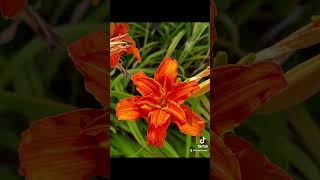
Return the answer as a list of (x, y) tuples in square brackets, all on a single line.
[(188, 144)]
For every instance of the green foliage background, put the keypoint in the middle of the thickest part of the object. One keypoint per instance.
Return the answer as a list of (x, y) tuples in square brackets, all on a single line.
[(188, 43)]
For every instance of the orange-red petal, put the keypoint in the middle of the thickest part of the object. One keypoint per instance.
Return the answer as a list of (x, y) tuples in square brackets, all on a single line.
[(147, 86), (118, 29), (97, 125), (224, 165), (177, 113), (90, 57), (55, 148), (132, 49), (195, 124), (114, 59), (10, 8), (167, 73), (157, 130), (181, 91), (135, 51), (131, 109), (151, 101), (240, 89), (253, 164)]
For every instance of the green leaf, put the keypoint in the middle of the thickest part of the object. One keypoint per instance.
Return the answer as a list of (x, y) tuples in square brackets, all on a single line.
[(8, 173), (174, 43), (169, 150), (137, 134), (301, 160), (28, 53), (119, 95), (32, 107)]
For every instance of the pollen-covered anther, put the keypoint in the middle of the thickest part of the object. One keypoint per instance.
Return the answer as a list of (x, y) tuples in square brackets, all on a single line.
[(118, 44), (117, 47)]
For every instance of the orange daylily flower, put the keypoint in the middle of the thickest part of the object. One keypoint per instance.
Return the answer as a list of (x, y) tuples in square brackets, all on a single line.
[(161, 103), (93, 47), (238, 91), (73, 145), (121, 43), (10, 8)]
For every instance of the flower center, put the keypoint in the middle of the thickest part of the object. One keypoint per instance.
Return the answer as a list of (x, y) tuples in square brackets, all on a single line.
[(163, 102)]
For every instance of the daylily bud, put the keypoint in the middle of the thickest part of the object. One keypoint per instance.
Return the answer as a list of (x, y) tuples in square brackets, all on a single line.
[(303, 82), (220, 59), (248, 59), (307, 36), (204, 88), (201, 75)]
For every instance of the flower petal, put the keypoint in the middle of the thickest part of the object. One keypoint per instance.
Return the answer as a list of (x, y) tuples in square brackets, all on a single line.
[(240, 89), (181, 91), (97, 125), (247, 155), (10, 8), (157, 129), (135, 51), (131, 109), (55, 148), (167, 73), (132, 49), (118, 29), (90, 57), (176, 112), (204, 87), (151, 101), (213, 13), (224, 164), (195, 124), (115, 58), (147, 86)]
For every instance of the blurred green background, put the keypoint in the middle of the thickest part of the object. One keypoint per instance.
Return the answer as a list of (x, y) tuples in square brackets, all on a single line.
[(188, 43), (37, 79), (291, 138)]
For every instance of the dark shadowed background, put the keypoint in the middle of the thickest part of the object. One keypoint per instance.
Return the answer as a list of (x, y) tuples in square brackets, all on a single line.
[(37, 78)]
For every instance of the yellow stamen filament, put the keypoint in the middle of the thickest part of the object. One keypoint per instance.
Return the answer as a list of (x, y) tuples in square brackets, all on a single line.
[(201, 75), (117, 44)]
